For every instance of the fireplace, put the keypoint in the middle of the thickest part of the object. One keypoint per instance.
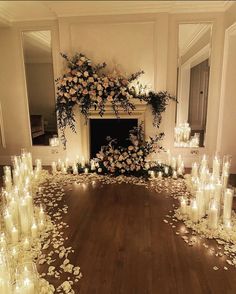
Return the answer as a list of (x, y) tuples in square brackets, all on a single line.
[(118, 129)]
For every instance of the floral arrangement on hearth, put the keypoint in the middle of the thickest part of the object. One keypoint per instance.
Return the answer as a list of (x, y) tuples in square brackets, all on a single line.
[(85, 84), (135, 160)]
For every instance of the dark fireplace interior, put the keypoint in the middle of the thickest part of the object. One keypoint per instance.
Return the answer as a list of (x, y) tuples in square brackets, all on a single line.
[(118, 129)]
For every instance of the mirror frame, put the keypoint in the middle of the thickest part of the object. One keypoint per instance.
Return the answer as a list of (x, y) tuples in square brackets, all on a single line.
[(194, 21), (54, 46)]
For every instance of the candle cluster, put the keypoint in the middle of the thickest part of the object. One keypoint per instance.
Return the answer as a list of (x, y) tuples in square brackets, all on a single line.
[(21, 223), (176, 163), (78, 165), (182, 136), (211, 196)]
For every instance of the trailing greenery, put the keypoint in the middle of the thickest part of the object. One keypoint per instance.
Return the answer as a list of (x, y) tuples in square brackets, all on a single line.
[(85, 84)]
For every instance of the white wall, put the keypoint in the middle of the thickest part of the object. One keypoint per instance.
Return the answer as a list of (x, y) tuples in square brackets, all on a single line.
[(226, 143), (146, 42)]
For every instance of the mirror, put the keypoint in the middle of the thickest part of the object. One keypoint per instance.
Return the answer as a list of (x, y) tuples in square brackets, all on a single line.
[(37, 48), (194, 58)]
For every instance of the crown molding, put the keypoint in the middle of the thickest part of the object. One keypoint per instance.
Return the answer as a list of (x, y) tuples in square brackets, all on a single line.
[(51, 10)]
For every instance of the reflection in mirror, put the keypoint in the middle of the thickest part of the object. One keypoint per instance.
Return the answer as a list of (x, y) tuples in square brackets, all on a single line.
[(194, 48), (40, 85)]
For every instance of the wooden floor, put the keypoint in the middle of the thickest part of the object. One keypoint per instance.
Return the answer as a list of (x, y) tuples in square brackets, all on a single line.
[(123, 245)]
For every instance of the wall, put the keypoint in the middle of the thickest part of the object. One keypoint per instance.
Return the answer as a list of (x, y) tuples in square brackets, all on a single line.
[(226, 143), (146, 42)]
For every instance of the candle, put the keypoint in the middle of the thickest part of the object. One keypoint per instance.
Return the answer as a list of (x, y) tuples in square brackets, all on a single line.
[(93, 165), (201, 202), (38, 163), (166, 170), (86, 170), (216, 167), (227, 225), (159, 175), (152, 174), (41, 225), (75, 169), (8, 222), (41, 213), (183, 205), (28, 286), (34, 230), (14, 235), (228, 201), (59, 164), (204, 162), (218, 191), (174, 176), (26, 244), (54, 167), (82, 162), (213, 216), (225, 177), (194, 171), (24, 218), (194, 211), (15, 253), (173, 163)]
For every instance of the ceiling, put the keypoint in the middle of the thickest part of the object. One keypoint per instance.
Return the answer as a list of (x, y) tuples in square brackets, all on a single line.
[(13, 11), (37, 47)]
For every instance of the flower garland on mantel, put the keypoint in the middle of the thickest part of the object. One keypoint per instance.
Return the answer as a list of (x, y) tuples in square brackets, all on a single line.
[(85, 85)]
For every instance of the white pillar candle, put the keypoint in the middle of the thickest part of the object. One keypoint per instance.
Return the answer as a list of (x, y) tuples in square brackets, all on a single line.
[(183, 205), (213, 216), (194, 211), (173, 163), (82, 162), (75, 169), (59, 164), (28, 286), (92, 165), (227, 225), (14, 235), (29, 203), (54, 167), (174, 176), (41, 225), (159, 175), (216, 167), (41, 213), (204, 162), (26, 244), (38, 163), (34, 230), (86, 170), (226, 167), (24, 218), (200, 202), (225, 177), (218, 191), (152, 174), (166, 170), (8, 222), (228, 201)]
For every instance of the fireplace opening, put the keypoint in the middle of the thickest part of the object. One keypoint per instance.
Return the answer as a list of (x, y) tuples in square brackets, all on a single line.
[(115, 128)]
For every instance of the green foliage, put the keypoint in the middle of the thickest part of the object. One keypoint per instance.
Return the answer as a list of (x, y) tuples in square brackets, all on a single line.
[(84, 84)]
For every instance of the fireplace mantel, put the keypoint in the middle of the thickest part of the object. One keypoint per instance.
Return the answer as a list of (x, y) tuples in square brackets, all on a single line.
[(82, 143), (140, 108)]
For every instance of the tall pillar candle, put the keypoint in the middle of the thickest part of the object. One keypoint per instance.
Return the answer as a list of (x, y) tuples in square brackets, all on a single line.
[(213, 216), (228, 202)]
